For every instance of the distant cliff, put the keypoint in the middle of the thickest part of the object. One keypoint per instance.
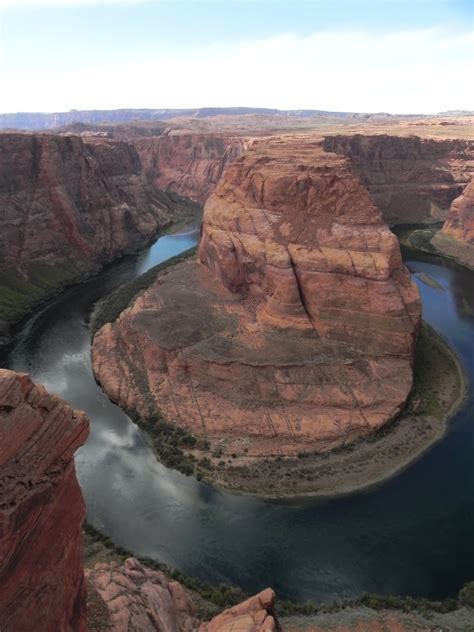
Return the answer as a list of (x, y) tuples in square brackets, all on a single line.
[(456, 239), (67, 207), (411, 180), (190, 164)]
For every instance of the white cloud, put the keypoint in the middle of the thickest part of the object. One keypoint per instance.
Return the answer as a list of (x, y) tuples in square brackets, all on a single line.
[(410, 71)]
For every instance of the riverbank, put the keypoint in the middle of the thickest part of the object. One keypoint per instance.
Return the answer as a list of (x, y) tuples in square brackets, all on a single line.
[(431, 240), (375, 612), (20, 298), (440, 388)]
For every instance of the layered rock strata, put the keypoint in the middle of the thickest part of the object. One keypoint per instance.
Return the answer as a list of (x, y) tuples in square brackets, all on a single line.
[(66, 208), (411, 180), (294, 332), (190, 164), (41, 510), (456, 239)]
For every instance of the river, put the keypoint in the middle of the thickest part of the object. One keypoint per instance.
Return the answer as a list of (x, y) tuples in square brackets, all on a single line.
[(410, 535)]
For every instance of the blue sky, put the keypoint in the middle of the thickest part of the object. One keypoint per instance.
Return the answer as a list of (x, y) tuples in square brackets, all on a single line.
[(381, 55)]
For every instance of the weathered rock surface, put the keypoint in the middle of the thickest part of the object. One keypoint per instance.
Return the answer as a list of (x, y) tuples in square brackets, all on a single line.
[(190, 164), (456, 238), (41, 510), (411, 180), (66, 208), (298, 331), (138, 598)]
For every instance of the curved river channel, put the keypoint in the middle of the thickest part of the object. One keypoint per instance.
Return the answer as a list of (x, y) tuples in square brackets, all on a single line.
[(410, 535)]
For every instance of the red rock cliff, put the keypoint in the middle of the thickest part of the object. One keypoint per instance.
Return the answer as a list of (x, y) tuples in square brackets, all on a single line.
[(298, 331), (190, 164), (66, 208), (411, 180), (456, 238), (41, 510)]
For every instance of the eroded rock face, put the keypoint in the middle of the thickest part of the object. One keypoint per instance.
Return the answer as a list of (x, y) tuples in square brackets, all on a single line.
[(190, 164), (457, 235), (295, 331), (138, 598), (411, 180), (66, 208), (41, 510)]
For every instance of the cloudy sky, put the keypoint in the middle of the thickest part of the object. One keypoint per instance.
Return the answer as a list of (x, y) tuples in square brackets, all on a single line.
[(395, 56)]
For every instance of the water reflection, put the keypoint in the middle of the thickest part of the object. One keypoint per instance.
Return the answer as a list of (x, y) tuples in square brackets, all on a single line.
[(411, 535)]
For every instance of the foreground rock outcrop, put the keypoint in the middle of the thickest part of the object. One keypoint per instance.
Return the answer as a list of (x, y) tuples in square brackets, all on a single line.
[(42, 583), (456, 239), (67, 207), (411, 180), (138, 598), (295, 331)]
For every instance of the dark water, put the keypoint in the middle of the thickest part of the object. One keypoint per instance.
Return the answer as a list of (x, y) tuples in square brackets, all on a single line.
[(411, 535)]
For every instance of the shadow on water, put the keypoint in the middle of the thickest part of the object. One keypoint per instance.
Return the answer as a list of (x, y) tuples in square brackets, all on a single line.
[(411, 535)]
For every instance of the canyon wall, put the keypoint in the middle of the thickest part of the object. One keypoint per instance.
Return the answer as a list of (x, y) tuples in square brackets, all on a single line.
[(42, 583), (295, 331), (190, 164), (66, 208), (456, 238), (411, 180)]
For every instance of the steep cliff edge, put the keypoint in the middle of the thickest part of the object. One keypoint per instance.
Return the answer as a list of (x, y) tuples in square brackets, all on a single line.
[(67, 207), (296, 331), (456, 238), (411, 180), (41, 510), (190, 164)]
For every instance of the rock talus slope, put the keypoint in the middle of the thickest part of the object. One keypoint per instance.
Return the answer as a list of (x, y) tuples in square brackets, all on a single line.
[(41, 510), (294, 332)]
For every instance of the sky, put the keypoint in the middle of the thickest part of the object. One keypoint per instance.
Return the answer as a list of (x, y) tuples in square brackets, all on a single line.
[(397, 56)]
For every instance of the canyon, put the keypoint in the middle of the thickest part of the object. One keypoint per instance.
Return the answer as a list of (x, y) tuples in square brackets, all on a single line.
[(411, 180), (41, 515), (77, 199), (69, 206), (294, 332)]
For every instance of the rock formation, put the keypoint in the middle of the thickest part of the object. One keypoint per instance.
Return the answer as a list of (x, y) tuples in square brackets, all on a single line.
[(138, 598), (296, 331), (41, 510), (67, 207), (456, 239), (190, 164), (411, 180)]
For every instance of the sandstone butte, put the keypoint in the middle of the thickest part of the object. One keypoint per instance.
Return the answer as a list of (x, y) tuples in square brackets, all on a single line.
[(295, 330), (456, 238)]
